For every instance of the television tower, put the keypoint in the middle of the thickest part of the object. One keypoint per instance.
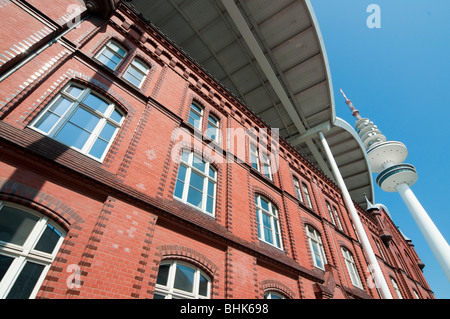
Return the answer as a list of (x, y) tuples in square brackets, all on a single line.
[(386, 158)]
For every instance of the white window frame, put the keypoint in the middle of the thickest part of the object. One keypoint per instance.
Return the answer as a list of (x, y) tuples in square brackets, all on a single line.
[(260, 162), (272, 213), (135, 66), (77, 103), (26, 252), (351, 267), (213, 126), (197, 112), (307, 196), (396, 288), (108, 47), (298, 190), (206, 180), (315, 240), (337, 217), (170, 292)]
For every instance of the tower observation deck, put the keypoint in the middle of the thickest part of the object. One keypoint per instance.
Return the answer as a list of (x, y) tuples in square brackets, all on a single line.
[(387, 158)]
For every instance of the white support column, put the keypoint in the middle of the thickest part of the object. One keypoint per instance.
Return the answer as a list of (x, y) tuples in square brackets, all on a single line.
[(433, 236), (377, 273)]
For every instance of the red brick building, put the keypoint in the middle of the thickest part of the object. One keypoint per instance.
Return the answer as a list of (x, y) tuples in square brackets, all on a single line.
[(120, 176)]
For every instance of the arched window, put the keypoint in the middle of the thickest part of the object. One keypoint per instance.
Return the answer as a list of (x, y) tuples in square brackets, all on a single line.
[(270, 294), (81, 119), (396, 288), (316, 246), (111, 54), (136, 72), (267, 222), (180, 280), (351, 267), (28, 245), (196, 182)]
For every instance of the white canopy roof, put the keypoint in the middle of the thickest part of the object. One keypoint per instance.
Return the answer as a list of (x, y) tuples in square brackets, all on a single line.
[(271, 56)]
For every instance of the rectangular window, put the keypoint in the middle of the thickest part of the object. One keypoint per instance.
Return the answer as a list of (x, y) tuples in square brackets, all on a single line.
[(298, 191), (307, 197)]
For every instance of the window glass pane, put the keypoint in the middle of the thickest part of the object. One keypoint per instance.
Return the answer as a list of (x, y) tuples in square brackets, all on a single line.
[(195, 197), (133, 80), (74, 91), (266, 220), (212, 172), (180, 182), (26, 281), (73, 136), (5, 262), (185, 156), (209, 204), (15, 225), (140, 66), (210, 189), (203, 286), (109, 59), (159, 296), (184, 278), (117, 49), (116, 116), (163, 275), (199, 164), (96, 103), (195, 107), (60, 106), (197, 181), (84, 119), (46, 122), (98, 148), (48, 240), (194, 119), (264, 204), (268, 235), (107, 132)]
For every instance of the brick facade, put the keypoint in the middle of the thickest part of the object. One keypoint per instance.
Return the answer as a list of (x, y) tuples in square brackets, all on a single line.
[(119, 215)]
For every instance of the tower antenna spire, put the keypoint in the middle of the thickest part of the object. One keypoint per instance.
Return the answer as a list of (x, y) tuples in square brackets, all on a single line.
[(355, 112)]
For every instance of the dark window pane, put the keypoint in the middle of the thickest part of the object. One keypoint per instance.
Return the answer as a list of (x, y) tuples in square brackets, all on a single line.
[(26, 281), (48, 240), (203, 287), (15, 225), (5, 262), (158, 296), (163, 274)]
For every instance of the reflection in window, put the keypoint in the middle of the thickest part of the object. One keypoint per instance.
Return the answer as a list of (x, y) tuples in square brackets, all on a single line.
[(196, 182), (351, 267), (267, 222), (136, 73), (111, 55), (81, 119), (273, 295), (180, 280), (316, 246), (28, 245)]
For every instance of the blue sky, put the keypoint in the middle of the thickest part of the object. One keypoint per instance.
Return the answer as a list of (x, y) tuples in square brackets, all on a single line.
[(398, 75)]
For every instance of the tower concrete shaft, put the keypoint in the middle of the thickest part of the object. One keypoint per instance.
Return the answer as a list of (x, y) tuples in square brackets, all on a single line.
[(386, 158)]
